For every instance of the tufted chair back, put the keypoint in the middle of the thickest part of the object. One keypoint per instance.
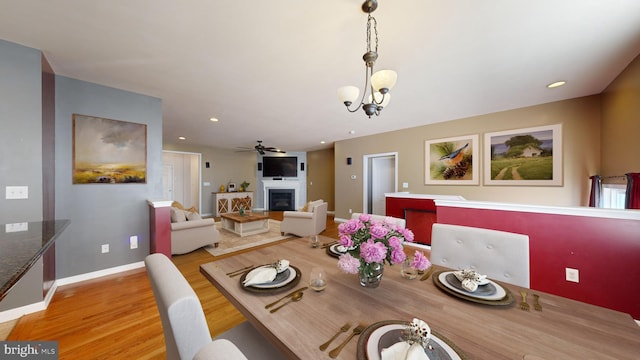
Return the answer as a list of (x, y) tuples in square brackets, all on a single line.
[(500, 255), (381, 218)]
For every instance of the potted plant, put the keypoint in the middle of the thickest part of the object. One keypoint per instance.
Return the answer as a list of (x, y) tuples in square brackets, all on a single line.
[(244, 186)]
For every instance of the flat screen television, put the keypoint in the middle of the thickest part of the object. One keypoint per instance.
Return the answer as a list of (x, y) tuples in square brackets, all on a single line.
[(279, 166)]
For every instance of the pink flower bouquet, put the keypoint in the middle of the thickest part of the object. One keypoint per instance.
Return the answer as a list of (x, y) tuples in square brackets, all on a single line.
[(370, 242)]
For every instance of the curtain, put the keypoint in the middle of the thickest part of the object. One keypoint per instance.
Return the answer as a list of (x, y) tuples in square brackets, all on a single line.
[(595, 198), (633, 191)]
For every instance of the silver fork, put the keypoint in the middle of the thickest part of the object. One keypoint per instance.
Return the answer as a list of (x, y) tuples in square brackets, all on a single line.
[(524, 305)]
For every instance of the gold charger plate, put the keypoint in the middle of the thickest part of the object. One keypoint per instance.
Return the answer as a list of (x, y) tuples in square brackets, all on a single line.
[(506, 300), (271, 290), (363, 341)]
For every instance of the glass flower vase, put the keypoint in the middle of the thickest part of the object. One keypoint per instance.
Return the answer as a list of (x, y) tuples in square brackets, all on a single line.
[(371, 275)]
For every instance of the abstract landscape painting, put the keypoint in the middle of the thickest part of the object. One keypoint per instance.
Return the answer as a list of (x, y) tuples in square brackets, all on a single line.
[(108, 151)]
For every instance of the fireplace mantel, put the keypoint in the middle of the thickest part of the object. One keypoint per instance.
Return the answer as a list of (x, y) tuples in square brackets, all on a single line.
[(282, 184)]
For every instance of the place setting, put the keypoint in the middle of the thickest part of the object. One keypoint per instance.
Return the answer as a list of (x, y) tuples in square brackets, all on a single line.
[(470, 285), (270, 278), (403, 340)]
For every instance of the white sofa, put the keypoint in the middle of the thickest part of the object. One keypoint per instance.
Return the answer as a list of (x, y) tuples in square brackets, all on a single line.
[(500, 255), (188, 235), (313, 221)]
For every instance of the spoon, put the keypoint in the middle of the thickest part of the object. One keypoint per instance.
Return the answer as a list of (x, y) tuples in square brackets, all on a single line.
[(296, 297)]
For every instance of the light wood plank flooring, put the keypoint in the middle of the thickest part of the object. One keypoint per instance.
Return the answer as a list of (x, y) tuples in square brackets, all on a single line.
[(115, 317)]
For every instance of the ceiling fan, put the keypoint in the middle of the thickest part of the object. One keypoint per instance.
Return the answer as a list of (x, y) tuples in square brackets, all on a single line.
[(261, 149)]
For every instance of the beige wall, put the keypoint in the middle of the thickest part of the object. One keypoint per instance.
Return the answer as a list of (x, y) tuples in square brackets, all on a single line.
[(225, 166), (580, 119), (320, 176), (621, 123)]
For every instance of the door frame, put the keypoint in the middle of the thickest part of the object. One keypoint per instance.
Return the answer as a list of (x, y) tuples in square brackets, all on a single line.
[(365, 175), (199, 155)]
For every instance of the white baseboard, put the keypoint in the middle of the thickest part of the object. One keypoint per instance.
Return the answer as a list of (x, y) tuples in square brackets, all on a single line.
[(18, 312), (99, 273)]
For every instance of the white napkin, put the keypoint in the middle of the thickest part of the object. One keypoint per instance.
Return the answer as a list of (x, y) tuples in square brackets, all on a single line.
[(470, 279), (403, 350), (265, 274)]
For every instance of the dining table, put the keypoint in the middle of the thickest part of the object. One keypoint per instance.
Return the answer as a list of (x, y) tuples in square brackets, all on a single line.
[(563, 329)]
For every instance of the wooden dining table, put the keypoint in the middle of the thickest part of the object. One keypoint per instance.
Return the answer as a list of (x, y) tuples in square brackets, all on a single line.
[(564, 329)]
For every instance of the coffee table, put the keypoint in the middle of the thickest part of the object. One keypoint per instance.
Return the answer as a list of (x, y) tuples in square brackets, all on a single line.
[(244, 225)]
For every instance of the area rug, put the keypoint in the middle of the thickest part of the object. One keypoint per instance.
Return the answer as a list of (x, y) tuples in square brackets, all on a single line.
[(230, 242)]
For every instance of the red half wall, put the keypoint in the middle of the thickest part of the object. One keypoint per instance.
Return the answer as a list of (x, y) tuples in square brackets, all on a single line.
[(605, 250)]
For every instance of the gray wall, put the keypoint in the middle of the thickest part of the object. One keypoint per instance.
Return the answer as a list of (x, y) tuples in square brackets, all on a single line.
[(21, 131), (103, 213)]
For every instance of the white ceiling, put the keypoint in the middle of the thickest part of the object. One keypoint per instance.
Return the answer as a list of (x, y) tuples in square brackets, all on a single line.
[(269, 70)]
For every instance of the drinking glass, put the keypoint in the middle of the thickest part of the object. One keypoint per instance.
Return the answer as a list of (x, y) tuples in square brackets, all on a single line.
[(408, 271), (314, 242), (318, 279)]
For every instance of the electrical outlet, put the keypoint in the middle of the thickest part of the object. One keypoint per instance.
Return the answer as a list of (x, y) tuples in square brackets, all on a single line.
[(16, 227), (405, 185), (17, 192), (105, 248), (133, 241), (572, 275)]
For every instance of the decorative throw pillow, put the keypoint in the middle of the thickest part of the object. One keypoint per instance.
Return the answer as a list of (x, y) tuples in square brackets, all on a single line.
[(177, 215), (193, 216), (305, 208)]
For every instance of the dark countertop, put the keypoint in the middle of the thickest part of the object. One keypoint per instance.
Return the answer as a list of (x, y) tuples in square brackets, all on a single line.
[(19, 250)]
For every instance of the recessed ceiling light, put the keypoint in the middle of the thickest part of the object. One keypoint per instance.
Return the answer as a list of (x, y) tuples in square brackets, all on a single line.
[(352, 132), (556, 84), (182, 138), (213, 119), (322, 142)]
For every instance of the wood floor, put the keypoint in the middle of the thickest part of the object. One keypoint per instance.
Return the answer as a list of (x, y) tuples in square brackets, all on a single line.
[(115, 317)]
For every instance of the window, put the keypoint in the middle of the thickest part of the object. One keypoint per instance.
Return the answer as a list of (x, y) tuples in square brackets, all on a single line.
[(613, 196)]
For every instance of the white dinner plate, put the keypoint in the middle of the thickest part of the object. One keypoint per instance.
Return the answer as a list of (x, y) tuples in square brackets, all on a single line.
[(499, 294), (441, 350), (281, 279)]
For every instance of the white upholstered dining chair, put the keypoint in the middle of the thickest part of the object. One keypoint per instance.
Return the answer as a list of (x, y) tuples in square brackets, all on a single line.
[(500, 255), (186, 333), (382, 218)]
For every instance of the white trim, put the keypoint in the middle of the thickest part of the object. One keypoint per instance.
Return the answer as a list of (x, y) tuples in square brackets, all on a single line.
[(365, 175), (99, 273), (407, 195), (626, 214), (159, 203), (18, 312)]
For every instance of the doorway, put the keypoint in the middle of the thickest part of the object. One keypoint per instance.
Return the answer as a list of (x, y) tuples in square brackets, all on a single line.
[(380, 176), (181, 176)]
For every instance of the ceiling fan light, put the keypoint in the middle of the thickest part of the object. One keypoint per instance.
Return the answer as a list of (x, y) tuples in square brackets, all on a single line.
[(348, 94), (384, 79)]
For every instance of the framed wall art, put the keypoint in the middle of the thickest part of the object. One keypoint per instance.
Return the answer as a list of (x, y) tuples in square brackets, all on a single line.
[(530, 157), (108, 151), (452, 161)]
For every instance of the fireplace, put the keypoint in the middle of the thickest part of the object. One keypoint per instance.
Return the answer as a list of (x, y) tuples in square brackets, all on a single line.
[(282, 199)]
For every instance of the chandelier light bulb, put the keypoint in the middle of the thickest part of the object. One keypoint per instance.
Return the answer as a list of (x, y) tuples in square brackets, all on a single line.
[(384, 79), (378, 97), (348, 94)]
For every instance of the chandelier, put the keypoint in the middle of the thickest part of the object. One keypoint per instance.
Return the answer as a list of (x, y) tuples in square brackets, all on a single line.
[(378, 84)]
